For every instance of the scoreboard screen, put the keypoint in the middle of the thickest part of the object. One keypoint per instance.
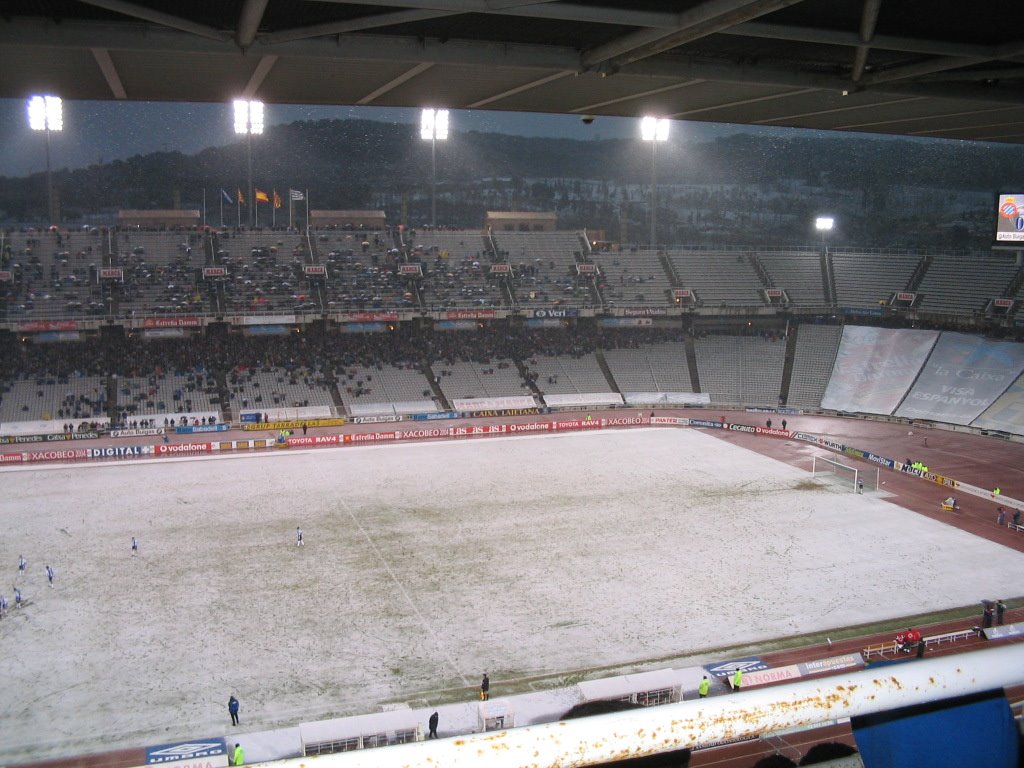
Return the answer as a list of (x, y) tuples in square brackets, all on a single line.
[(1010, 219)]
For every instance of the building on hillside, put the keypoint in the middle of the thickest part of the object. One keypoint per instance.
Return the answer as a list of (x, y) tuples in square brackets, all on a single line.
[(370, 220), (521, 221), (157, 219)]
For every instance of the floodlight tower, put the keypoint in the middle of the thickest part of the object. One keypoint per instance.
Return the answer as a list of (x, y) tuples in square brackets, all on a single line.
[(654, 130), (249, 120), (433, 126), (824, 224), (46, 113)]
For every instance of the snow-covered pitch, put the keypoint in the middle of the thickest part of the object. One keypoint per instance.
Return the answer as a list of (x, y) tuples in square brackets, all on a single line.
[(423, 566)]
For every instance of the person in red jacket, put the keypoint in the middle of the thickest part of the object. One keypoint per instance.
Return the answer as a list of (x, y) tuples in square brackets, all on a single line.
[(908, 640)]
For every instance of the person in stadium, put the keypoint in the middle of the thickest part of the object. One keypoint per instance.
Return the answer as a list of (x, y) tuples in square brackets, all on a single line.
[(233, 710), (17, 598), (485, 688), (737, 680), (22, 563), (238, 758), (298, 538), (135, 546), (1000, 612), (908, 640), (1000, 517), (704, 687), (432, 724), (49, 575)]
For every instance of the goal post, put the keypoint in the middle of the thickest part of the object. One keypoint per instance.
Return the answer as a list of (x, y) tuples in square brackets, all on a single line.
[(845, 475)]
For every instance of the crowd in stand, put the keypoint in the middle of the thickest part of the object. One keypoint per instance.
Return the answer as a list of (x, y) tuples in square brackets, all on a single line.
[(307, 356)]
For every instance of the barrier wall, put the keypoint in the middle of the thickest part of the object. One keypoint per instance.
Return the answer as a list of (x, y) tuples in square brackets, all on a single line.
[(379, 409), (583, 399), (493, 403), (440, 432)]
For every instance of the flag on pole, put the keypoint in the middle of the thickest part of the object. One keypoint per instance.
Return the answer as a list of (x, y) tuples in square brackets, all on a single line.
[(241, 198), (262, 197), (277, 199), (296, 194), (226, 196)]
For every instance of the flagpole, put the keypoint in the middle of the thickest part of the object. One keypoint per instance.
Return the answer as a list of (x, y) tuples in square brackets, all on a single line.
[(256, 205), (307, 208), (291, 209), (204, 207), (222, 208), (238, 209), (273, 209)]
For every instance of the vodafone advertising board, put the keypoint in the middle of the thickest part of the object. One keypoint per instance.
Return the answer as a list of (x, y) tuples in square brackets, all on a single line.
[(179, 449)]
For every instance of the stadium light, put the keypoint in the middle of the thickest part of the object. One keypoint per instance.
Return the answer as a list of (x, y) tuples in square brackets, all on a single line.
[(46, 113), (433, 128), (654, 130), (249, 121), (824, 224)]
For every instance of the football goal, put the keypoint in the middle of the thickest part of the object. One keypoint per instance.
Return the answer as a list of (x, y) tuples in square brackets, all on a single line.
[(845, 475)]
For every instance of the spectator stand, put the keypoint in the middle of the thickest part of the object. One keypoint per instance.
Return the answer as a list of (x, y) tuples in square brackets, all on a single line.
[(574, 381), (741, 370), (800, 274), (724, 279), (363, 272), (544, 266), (50, 275), (264, 388), (633, 277), (170, 396), (53, 400), (813, 359), (868, 279), (965, 285), (646, 373), (456, 269), (493, 378), (382, 389), (265, 273), (161, 273)]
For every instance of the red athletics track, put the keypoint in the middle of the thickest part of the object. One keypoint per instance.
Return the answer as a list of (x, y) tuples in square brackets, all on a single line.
[(976, 459)]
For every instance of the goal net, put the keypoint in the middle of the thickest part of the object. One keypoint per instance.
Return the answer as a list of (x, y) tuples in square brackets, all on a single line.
[(846, 476)]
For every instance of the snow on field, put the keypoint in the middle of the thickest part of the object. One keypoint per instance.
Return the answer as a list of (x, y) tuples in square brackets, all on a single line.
[(425, 565)]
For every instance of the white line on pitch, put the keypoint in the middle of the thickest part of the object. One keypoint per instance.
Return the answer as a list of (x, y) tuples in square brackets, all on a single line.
[(401, 587)]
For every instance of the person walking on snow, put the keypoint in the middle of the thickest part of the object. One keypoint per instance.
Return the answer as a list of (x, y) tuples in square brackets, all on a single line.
[(737, 680), (49, 576), (432, 724), (233, 710), (135, 546), (298, 538), (704, 687)]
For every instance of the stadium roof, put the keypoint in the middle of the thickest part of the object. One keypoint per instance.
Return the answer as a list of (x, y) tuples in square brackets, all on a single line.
[(935, 68)]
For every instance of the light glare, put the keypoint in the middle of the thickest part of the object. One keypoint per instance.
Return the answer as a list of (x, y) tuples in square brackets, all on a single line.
[(434, 124), (654, 128), (824, 223), (248, 116), (45, 113)]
